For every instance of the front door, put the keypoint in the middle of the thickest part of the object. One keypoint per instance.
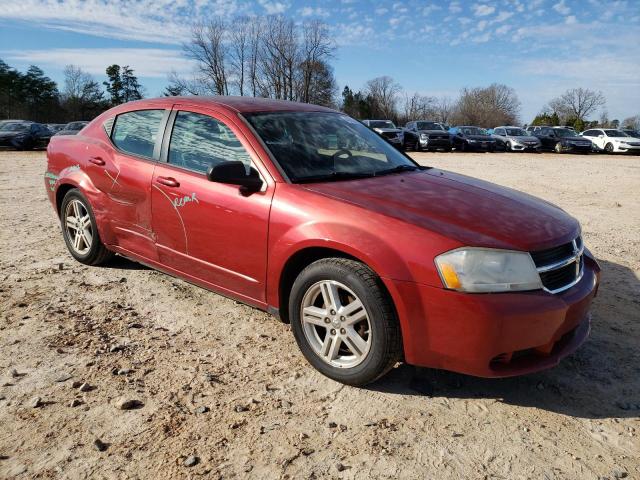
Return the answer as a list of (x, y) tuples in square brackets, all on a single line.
[(210, 231)]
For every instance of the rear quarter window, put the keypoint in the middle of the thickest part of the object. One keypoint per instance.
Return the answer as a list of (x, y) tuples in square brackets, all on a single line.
[(136, 132)]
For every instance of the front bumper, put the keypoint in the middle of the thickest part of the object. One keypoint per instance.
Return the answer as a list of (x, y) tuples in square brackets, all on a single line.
[(494, 335), (482, 146), (628, 148), (519, 147), (577, 148)]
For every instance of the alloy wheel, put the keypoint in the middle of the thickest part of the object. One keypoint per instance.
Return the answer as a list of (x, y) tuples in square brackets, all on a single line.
[(336, 324), (78, 227)]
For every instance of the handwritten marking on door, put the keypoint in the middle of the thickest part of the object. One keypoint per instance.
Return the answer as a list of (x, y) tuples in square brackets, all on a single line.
[(182, 201)]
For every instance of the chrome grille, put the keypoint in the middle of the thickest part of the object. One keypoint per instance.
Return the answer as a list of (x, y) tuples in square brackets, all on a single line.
[(561, 267)]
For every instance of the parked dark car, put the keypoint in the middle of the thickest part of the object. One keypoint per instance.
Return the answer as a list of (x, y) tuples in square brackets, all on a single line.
[(4, 123), (72, 128), (472, 138), (387, 130), (24, 135), (560, 139), (631, 132), (425, 135), (56, 127)]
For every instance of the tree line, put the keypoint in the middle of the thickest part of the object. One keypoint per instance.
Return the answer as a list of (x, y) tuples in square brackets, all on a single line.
[(34, 96), (271, 56)]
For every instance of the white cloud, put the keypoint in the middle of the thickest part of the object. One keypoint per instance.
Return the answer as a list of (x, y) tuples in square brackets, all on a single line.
[(381, 11), (503, 29), (483, 10), (570, 20), (429, 9), (454, 7), (274, 7), (485, 37), (562, 8), (146, 62), (313, 12), (482, 24), (502, 16)]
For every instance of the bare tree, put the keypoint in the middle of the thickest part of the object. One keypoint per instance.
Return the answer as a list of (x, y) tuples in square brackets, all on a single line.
[(632, 123), (444, 109), (577, 103), (494, 105), (240, 50), (209, 48), (316, 49), (279, 57), (418, 107), (383, 93), (82, 96)]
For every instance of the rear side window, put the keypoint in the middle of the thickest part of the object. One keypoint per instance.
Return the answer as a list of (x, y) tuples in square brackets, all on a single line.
[(136, 132), (199, 141)]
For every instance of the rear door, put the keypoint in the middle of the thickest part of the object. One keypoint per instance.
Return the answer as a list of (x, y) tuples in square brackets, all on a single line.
[(206, 230), (123, 172)]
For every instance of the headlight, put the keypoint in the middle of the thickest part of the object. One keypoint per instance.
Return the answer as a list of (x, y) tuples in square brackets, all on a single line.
[(487, 270), (424, 136), (471, 141)]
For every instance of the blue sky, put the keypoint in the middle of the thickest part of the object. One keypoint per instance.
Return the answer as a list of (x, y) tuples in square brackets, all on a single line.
[(538, 47)]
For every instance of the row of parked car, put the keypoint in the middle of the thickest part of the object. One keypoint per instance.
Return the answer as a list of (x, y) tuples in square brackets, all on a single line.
[(27, 135), (430, 136)]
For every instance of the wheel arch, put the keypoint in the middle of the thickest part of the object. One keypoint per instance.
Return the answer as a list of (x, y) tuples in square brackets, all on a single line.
[(305, 257)]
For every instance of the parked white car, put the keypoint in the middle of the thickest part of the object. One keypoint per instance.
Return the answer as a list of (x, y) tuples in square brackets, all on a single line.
[(612, 141)]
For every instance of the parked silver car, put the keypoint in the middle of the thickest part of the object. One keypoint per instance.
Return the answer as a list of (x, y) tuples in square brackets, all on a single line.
[(387, 130), (515, 139)]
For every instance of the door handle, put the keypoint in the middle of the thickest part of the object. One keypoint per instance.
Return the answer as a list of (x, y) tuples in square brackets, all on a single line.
[(168, 181), (97, 161)]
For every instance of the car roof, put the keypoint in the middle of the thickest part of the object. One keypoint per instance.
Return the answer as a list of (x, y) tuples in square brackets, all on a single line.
[(236, 104)]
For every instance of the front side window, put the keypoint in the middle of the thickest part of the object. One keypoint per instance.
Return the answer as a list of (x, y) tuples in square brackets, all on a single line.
[(199, 141), (136, 132), (319, 146), (516, 132)]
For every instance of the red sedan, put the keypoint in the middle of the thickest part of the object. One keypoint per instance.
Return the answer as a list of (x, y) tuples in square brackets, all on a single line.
[(304, 212)]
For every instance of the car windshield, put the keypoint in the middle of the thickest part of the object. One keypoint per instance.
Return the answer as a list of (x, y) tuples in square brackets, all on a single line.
[(381, 124), (322, 146), (473, 131), (516, 132), (15, 127), (615, 133), (428, 126), (564, 132)]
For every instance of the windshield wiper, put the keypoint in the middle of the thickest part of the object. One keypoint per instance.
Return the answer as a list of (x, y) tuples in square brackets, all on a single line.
[(397, 169), (334, 176)]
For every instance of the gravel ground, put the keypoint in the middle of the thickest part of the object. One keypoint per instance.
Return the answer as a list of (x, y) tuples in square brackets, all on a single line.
[(123, 372)]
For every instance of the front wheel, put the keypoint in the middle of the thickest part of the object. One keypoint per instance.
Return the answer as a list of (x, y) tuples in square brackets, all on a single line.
[(558, 148), (80, 230), (344, 321), (608, 148)]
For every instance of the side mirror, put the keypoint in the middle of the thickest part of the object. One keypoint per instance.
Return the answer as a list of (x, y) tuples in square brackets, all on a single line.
[(601, 136), (235, 173)]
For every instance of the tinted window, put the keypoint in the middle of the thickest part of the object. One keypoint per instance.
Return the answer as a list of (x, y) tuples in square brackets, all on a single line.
[(136, 132), (199, 141)]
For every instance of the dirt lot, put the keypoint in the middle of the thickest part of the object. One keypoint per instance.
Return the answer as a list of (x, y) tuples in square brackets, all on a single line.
[(226, 383)]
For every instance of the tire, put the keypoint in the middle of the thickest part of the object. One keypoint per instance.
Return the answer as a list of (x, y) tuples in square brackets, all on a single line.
[(558, 148), (89, 249), (463, 147), (416, 146), (507, 147), (448, 149), (378, 347), (608, 148)]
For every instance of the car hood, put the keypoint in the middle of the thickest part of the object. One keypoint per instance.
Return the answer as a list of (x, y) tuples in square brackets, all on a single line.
[(524, 138), (471, 211), (482, 138), (443, 132), (576, 138), (387, 130)]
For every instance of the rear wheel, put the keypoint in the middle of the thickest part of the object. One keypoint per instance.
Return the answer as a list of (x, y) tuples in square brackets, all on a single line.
[(80, 230), (344, 321)]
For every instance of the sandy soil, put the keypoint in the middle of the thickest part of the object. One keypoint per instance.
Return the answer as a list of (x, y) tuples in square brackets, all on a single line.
[(225, 383)]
